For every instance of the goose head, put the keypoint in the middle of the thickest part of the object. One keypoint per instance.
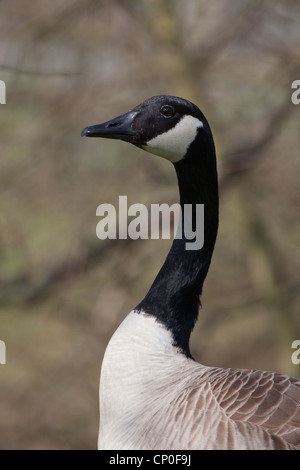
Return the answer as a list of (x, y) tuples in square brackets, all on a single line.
[(163, 125)]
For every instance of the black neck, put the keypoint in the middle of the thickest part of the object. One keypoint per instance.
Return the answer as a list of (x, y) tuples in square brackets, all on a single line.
[(174, 296)]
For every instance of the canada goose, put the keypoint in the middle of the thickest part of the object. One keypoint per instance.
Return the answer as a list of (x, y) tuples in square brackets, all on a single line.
[(153, 394)]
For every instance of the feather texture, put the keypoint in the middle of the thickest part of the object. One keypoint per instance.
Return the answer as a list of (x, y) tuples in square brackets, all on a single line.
[(161, 399)]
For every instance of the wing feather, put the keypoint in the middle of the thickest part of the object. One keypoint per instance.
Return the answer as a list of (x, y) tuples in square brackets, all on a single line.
[(236, 409), (265, 399)]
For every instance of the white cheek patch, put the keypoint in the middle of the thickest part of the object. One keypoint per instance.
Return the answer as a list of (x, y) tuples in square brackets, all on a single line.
[(174, 143)]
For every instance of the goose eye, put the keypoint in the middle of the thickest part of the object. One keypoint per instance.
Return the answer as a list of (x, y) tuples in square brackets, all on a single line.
[(167, 111)]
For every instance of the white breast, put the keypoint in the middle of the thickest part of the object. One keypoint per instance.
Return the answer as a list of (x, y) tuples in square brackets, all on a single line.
[(139, 372)]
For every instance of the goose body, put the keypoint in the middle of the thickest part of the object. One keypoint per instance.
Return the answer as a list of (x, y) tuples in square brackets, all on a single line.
[(153, 394)]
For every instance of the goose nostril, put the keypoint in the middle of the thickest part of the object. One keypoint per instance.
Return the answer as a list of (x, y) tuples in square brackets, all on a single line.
[(113, 124)]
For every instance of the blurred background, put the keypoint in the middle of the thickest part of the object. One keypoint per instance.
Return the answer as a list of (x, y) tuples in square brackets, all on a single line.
[(68, 64)]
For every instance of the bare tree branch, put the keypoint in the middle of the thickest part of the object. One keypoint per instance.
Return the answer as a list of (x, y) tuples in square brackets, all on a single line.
[(49, 73)]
